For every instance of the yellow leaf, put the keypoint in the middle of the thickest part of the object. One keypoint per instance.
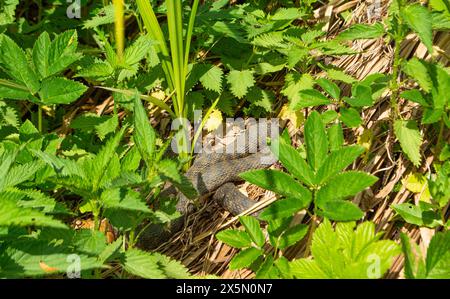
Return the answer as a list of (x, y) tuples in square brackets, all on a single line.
[(214, 120), (46, 268), (417, 183), (295, 117), (365, 140)]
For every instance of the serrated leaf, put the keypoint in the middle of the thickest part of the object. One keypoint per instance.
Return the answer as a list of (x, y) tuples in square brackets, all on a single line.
[(292, 235), (14, 63), (234, 238), (316, 140), (284, 208), (350, 117), (329, 87), (438, 256), (410, 139), (294, 83), (142, 264), (62, 52), (240, 82), (212, 78), (144, 135), (418, 19), (362, 31), (278, 182), (309, 98), (60, 91), (335, 137), (245, 258), (12, 214), (415, 96), (339, 75), (344, 185), (12, 90), (169, 171), (252, 227), (41, 54), (294, 163), (418, 70)]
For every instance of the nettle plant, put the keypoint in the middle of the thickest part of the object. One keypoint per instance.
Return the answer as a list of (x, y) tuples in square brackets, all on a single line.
[(315, 177), (35, 240), (404, 18), (36, 76)]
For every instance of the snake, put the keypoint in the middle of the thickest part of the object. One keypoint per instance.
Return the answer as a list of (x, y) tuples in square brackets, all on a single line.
[(213, 174)]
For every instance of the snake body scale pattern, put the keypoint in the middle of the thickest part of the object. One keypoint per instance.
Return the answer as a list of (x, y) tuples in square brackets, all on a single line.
[(213, 174)]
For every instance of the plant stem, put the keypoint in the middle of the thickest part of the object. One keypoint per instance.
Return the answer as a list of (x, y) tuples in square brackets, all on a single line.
[(310, 236), (394, 81), (40, 118)]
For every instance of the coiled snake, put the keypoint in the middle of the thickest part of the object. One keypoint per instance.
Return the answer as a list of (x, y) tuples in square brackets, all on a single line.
[(213, 174)]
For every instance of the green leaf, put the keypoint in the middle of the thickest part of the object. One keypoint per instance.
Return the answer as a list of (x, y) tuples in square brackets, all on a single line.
[(169, 171), (267, 269), (340, 210), (144, 135), (438, 256), (316, 140), (62, 52), (41, 54), (417, 215), (12, 90), (350, 117), (240, 82), (410, 139), (330, 87), (60, 91), (30, 258), (362, 31), (123, 199), (278, 182), (361, 96), (7, 12), (212, 78), (294, 163), (99, 165), (418, 18), (292, 235), (335, 138), (172, 268), (90, 241), (110, 250), (345, 253), (415, 96), (245, 258), (271, 40), (14, 63), (97, 71), (344, 185), (339, 75), (294, 83), (283, 208), (309, 98), (252, 227), (234, 238), (303, 268), (417, 69), (261, 98), (142, 264), (12, 214)]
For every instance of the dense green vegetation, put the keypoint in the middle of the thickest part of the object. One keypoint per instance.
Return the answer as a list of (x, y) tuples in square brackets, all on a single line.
[(85, 146)]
